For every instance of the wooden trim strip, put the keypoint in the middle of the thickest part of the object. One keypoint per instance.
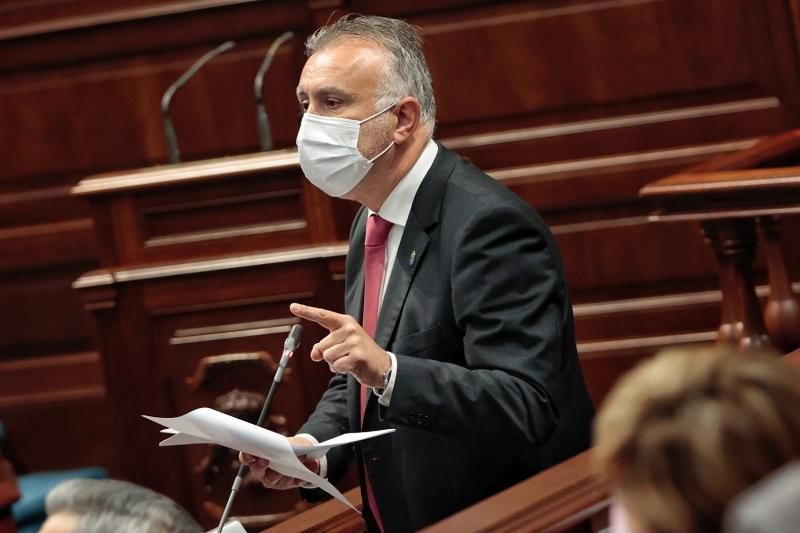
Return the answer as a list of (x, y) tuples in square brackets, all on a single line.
[(220, 328), (585, 349), (47, 229), (49, 361), (117, 16), (241, 231), (213, 265), (93, 279), (635, 159), (623, 121), (233, 331), (32, 399), (238, 334), (516, 17), (110, 277)]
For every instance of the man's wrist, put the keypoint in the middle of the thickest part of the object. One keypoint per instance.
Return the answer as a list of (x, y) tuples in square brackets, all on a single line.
[(385, 395), (387, 375)]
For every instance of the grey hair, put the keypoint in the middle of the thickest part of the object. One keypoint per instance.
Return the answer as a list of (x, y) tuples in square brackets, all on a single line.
[(112, 506), (407, 73)]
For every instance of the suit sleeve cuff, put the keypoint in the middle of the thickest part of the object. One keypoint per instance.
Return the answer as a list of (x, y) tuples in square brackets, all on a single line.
[(385, 395), (323, 460)]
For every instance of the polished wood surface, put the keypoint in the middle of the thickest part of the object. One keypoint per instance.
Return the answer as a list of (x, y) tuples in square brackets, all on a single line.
[(567, 497), (328, 517)]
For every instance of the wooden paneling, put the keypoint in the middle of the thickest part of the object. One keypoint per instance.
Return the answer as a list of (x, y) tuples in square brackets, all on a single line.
[(572, 104)]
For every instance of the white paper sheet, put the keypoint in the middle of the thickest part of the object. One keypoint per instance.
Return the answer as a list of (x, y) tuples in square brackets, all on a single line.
[(207, 426), (231, 527)]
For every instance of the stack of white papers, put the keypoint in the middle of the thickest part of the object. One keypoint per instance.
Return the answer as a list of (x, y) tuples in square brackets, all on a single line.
[(207, 426)]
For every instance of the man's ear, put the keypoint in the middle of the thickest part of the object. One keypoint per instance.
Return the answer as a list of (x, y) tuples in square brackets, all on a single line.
[(407, 111)]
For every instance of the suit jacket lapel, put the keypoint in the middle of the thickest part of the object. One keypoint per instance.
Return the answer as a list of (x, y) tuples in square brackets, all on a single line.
[(423, 217)]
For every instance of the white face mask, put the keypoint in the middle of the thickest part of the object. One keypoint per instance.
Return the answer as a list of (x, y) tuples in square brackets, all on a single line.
[(329, 156)]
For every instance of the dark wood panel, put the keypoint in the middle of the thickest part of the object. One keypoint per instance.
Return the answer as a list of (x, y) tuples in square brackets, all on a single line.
[(37, 380), (42, 314), (82, 428), (680, 47), (571, 188), (120, 122), (75, 39)]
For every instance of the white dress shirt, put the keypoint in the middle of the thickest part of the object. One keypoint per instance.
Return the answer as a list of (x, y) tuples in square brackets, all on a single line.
[(396, 209)]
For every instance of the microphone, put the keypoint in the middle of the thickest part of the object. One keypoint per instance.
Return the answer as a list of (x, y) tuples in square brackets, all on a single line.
[(169, 130), (264, 133), (291, 344)]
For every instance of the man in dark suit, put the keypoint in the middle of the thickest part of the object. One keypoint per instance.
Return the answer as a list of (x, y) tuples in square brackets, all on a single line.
[(458, 329)]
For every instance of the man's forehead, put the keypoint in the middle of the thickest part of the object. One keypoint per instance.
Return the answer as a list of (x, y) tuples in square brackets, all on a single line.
[(343, 63)]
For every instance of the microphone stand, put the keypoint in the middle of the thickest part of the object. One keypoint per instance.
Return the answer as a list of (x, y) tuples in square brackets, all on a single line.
[(289, 346), (169, 130), (264, 133)]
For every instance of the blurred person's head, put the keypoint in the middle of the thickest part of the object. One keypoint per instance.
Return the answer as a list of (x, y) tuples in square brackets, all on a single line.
[(683, 434), (112, 506)]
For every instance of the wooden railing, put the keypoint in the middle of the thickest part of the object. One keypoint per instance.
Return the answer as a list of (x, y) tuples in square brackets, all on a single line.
[(567, 497), (736, 199)]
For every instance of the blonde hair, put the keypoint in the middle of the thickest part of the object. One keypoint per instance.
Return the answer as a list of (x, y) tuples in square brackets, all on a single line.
[(684, 433)]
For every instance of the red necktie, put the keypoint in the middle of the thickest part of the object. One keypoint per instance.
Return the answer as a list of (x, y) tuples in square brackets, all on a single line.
[(374, 264)]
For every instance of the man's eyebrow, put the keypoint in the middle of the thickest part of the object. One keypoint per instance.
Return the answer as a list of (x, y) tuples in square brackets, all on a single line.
[(327, 91)]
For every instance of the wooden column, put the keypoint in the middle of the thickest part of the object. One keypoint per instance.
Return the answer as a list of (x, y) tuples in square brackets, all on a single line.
[(735, 242), (730, 327), (782, 312)]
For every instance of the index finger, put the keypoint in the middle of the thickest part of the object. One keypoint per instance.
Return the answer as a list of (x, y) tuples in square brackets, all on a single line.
[(327, 319)]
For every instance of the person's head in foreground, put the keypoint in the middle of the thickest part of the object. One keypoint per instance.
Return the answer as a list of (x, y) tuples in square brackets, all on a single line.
[(683, 434), (112, 506)]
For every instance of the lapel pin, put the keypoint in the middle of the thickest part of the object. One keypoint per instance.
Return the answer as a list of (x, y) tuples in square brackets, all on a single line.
[(412, 258)]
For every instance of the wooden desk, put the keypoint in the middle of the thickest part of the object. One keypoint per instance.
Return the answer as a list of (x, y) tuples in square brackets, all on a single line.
[(732, 197)]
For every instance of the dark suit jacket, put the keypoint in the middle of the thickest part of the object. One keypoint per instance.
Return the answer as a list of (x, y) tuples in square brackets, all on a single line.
[(488, 389)]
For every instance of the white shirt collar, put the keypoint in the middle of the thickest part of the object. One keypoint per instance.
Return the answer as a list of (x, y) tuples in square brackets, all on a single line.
[(397, 205)]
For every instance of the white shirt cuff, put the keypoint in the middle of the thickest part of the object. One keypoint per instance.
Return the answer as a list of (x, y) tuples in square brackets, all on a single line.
[(323, 460), (385, 396)]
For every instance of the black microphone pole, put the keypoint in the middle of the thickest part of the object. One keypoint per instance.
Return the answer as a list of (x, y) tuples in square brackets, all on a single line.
[(169, 130), (291, 344), (264, 133)]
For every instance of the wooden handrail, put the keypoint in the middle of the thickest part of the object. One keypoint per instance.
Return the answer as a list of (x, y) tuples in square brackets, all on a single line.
[(557, 499), (330, 516), (561, 497)]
